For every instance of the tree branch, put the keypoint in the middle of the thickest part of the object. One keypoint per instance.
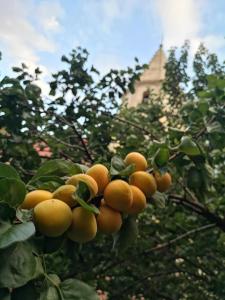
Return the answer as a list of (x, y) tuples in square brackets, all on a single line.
[(133, 286), (199, 209), (73, 126), (131, 124), (178, 238)]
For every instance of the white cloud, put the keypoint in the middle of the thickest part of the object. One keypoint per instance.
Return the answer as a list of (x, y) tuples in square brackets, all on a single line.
[(180, 20), (23, 36), (27, 29), (49, 14), (183, 19)]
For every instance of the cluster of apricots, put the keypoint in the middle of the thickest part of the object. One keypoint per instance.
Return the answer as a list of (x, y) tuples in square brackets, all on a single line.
[(59, 212)]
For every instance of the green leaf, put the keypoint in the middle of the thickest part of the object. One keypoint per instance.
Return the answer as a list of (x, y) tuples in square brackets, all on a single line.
[(118, 167), (8, 80), (65, 59), (8, 171), (196, 179), (83, 168), (7, 213), (128, 170), (161, 157), (73, 289), (4, 294), (54, 279), (203, 106), (16, 69), (12, 191), (90, 207), (127, 234), (82, 194), (24, 215), (50, 183), (215, 127), (12, 233), (51, 289), (159, 199), (18, 265), (50, 293), (58, 167), (189, 147), (32, 91), (82, 191)]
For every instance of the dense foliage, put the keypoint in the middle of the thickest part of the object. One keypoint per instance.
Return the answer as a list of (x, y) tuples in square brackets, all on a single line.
[(175, 249)]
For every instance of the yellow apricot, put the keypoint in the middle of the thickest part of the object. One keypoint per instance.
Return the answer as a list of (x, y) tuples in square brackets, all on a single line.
[(144, 181), (52, 217), (84, 227), (163, 181), (137, 159), (65, 194), (91, 183), (109, 220), (33, 198), (139, 201), (101, 175), (118, 195)]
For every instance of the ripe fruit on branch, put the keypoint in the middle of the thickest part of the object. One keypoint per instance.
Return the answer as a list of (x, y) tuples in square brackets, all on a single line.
[(137, 159), (118, 195), (52, 217), (65, 194), (139, 201), (101, 175), (163, 181), (144, 181), (35, 197), (91, 183), (83, 227), (109, 220)]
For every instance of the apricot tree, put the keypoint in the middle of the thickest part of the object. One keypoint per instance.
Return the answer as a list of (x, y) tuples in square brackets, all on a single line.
[(174, 249)]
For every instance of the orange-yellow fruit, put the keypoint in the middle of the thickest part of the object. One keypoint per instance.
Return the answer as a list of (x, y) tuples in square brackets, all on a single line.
[(118, 195), (65, 194), (91, 183), (35, 197), (84, 227), (101, 175), (144, 181), (139, 201), (163, 181), (52, 217), (109, 220), (138, 159)]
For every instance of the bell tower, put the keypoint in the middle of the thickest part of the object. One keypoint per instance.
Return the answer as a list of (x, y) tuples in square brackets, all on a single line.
[(150, 81)]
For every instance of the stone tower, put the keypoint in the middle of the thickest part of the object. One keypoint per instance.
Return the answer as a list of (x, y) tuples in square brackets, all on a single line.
[(150, 81)]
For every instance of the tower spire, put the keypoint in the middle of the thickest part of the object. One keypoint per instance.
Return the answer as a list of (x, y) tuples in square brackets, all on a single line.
[(150, 80)]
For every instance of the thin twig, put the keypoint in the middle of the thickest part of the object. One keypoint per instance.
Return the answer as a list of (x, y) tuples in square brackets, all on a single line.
[(73, 126), (180, 237), (199, 209), (135, 125), (133, 286), (65, 143)]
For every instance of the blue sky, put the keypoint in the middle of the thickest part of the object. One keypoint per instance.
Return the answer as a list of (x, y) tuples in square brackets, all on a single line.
[(38, 32)]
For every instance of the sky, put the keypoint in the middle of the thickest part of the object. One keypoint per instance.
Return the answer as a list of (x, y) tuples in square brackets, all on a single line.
[(39, 32)]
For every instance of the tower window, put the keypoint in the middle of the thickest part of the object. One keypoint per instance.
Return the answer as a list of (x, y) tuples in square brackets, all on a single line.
[(145, 96)]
